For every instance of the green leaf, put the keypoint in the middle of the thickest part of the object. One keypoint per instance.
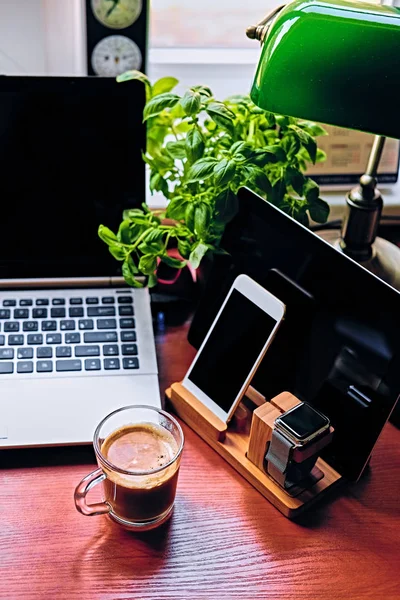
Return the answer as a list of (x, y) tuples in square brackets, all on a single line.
[(197, 254), (203, 90), (148, 264), (202, 216), (221, 115), (319, 210), (184, 248), (150, 248), (159, 184), (226, 206), (129, 271), (306, 141), (242, 148), (107, 235), (224, 172), (201, 169), (118, 252), (269, 154), (163, 85), (177, 149), (152, 280), (176, 208), (291, 145), (311, 190), (277, 192), (154, 235), (173, 262), (194, 144), (191, 102), (296, 179), (189, 216), (260, 179), (124, 232), (156, 105), (312, 128), (321, 156)]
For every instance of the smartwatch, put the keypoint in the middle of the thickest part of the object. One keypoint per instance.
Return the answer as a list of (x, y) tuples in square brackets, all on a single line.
[(298, 435)]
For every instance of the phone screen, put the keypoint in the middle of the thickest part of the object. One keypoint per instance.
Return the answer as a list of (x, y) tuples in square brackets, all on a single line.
[(230, 352)]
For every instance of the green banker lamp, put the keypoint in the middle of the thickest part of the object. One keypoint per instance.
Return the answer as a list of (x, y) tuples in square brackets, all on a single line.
[(338, 62)]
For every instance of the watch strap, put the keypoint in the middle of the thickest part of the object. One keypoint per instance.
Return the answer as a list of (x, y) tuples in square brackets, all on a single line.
[(278, 457)]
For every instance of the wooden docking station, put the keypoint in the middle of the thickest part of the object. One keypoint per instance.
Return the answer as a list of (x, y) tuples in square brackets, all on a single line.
[(242, 443)]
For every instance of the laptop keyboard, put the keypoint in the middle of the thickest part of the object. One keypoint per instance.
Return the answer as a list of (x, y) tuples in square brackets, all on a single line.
[(68, 334)]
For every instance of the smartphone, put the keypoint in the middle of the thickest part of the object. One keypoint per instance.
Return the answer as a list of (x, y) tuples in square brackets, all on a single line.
[(234, 346)]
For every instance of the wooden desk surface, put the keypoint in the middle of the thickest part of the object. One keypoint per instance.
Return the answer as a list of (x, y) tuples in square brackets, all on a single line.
[(223, 541)]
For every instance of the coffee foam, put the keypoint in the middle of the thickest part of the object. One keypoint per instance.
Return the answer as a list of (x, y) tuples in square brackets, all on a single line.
[(141, 447)]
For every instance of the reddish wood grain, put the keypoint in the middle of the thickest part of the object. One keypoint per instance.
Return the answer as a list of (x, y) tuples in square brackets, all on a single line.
[(223, 541)]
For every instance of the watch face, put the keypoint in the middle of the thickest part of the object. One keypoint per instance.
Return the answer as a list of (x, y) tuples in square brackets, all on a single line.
[(114, 55), (117, 14), (302, 421)]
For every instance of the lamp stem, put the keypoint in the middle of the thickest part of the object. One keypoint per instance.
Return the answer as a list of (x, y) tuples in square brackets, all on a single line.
[(375, 155)]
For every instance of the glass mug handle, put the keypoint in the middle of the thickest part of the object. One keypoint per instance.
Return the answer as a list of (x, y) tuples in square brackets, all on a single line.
[(81, 490)]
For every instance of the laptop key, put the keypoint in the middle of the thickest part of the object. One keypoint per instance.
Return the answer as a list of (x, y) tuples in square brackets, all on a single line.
[(26, 302), (111, 364), (130, 363), (57, 312), (21, 313), (87, 350), (127, 323), (53, 338), (30, 326), (2, 340), (92, 300), (101, 311), (101, 336), (106, 324), (25, 353), (128, 336), (68, 365), (44, 352), (126, 310), (75, 300), (92, 364), (11, 326), (44, 366), (72, 338), (9, 303), (35, 338), (85, 324), (42, 302), (5, 313), (6, 353), (110, 350), (76, 311), (6, 368), (49, 325), (108, 300), (63, 352), (129, 349), (58, 301), (125, 300), (15, 340), (39, 313), (25, 366), (67, 325)]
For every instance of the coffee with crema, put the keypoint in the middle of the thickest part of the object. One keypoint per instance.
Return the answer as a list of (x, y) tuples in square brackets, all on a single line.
[(143, 447)]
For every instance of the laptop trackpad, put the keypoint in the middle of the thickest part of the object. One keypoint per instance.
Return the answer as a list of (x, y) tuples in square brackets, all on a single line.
[(66, 410)]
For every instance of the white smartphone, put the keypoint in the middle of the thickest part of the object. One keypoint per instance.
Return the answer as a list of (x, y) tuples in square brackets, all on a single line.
[(234, 346)]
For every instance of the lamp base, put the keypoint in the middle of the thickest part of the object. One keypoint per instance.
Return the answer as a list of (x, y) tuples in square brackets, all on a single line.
[(384, 262)]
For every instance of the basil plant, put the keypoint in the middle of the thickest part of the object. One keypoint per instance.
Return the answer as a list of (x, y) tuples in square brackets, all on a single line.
[(200, 151)]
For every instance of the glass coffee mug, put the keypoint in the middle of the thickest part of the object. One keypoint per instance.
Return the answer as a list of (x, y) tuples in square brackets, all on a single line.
[(138, 450)]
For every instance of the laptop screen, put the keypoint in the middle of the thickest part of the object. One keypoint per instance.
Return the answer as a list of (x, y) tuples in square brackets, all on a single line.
[(70, 159)]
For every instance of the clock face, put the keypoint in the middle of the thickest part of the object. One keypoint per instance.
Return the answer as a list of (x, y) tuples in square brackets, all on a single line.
[(114, 55), (117, 14)]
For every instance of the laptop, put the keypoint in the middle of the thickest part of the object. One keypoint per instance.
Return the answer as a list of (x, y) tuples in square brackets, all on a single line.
[(75, 342)]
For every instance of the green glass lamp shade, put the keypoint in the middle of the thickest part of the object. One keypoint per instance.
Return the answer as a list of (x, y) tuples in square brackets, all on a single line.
[(335, 62)]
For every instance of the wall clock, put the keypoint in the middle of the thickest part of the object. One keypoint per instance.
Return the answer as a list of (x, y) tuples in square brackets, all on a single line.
[(111, 52), (115, 54), (116, 14)]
